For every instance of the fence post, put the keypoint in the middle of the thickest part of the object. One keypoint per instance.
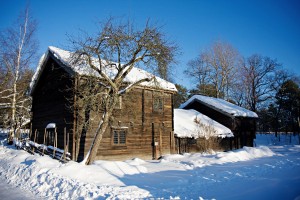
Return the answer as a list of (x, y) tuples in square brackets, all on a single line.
[(45, 135), (33, 149), (55, 142), (65, 144)]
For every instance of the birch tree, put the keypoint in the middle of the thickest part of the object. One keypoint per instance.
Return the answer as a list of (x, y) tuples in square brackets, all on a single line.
[(120, 46), (17, 51), (216, 66)]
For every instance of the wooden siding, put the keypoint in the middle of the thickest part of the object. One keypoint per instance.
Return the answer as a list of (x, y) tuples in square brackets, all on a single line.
[(50, 105), (138, 116)]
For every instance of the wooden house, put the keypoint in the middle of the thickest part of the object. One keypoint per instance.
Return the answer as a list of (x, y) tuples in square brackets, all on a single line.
[(195, 132), (141, 126), (240, 121)]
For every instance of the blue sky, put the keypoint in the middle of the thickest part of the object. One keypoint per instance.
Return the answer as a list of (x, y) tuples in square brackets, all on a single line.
[(267, 27)]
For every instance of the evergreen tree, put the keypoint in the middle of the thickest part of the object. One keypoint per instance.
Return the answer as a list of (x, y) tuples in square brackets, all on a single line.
[(181, 95), (288, 101)]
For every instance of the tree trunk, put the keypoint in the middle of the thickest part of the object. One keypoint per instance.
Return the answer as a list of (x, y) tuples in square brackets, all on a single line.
[(13, 115), (14, 100), (98, 137), (16, 78), (102, 126)]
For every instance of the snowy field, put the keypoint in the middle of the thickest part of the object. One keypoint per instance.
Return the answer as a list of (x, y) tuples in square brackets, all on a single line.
[(271, 170)]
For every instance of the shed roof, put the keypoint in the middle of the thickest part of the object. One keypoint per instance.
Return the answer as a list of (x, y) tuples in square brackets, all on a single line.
[(221, 105), (185, 125), (65, 59)]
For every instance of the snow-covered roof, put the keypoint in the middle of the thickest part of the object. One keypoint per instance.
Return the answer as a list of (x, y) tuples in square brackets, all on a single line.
[(222, 105), (185, 125), (65, 57), (51, 125)]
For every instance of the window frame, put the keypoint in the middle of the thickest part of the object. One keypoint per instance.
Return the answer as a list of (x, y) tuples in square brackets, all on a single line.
[(158, 104), (116, 141)]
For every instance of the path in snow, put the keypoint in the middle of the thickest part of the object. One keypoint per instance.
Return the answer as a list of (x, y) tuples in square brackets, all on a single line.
[(11, 192)]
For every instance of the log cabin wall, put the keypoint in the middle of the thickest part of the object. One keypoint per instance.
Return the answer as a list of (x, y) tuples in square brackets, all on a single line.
[(50, 103), (146, 116)]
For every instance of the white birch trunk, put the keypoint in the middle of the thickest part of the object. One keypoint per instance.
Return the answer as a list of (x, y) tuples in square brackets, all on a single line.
[(13, 127)]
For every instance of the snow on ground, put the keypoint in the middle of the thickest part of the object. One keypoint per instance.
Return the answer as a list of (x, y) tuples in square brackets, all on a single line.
[(11, 192), (263, 172)]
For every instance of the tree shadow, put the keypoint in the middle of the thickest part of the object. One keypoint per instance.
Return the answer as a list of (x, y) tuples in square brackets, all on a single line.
[(173, 183)]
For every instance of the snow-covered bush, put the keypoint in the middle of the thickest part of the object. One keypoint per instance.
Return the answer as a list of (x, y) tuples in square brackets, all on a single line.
[(207, 139)]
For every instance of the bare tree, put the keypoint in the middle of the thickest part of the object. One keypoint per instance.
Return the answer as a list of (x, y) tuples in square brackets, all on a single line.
[(209, 140), (199, 71), (259, 75), (111, 54), (215, 66), (18, 48)]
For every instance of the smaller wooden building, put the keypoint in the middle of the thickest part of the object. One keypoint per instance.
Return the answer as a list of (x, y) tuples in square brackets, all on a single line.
[(195, 132), (240, 121)]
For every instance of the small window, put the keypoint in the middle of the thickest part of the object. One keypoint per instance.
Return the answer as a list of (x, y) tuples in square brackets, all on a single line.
[(119, 136), (158, 104)]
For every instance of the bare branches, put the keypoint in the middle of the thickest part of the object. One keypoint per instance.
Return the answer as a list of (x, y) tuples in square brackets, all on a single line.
[(259, 79), (112, 53), (215, 68), (129, 87), (118, 45), (17, 52)]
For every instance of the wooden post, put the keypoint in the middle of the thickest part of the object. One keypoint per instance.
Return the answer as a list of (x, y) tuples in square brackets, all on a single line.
[(30, 131), (34, 138), (179, 145), (65, 144), (172, 142), (37, 137), (55, 142), (68, 138), (75, 125), (45, 133), (153, 143), (143, 108), (160, 142)]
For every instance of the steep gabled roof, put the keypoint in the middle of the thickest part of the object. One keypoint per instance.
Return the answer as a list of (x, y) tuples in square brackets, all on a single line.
[(185, 125), (64, 58), (221, 106)]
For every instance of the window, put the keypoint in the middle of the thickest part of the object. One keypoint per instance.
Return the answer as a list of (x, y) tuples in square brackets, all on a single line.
[(158, 104), (119, 136)]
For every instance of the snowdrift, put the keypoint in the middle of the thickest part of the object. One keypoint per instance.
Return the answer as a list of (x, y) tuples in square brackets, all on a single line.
[(49, 178)]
